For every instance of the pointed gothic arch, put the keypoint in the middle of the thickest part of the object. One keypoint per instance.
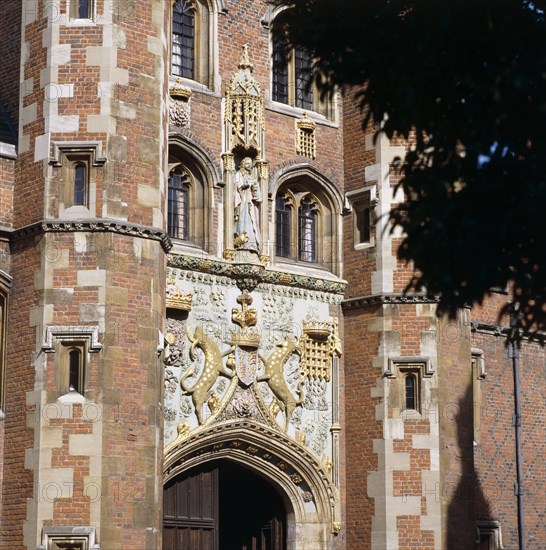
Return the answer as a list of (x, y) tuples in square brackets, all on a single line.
[(311, 499)]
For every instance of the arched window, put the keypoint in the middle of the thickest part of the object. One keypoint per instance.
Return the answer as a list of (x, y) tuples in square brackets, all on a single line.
[(307, 231), (189, 195), (192, 47), (178, 205), (411, 391), (306, 222)]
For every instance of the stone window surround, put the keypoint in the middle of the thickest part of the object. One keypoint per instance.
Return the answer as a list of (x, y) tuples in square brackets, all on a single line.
[(332, 119), (84, 536), (210, 81), (397, 369), (367, 194), (66, 154), (85, 338), (492, 529)]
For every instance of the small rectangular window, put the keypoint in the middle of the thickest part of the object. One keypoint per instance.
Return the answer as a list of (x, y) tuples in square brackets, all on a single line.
[(489, 535), (80, 184), (71, 370), (362, 223), (82, 9), (411, 389), (478, 374), (363, 202)]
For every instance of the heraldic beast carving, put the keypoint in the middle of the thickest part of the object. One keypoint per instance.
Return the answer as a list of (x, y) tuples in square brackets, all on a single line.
[(213, 368), (274, 376)]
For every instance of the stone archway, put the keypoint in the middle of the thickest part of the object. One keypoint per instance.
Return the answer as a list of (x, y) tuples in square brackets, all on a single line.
[(310, 499), (223, 505)]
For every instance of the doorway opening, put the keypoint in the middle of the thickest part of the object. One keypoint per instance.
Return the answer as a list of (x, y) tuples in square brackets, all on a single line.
[(222, 505)]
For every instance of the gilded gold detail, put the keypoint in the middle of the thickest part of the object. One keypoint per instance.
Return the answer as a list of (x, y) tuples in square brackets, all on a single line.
[(176, 298), (214, 403), (247, 316), (320, 341), (245, 107), (212, 369), (306, 143), (179, 91), (301, 438), (229, 161), (183, 429), (274, 376), (327, 465)]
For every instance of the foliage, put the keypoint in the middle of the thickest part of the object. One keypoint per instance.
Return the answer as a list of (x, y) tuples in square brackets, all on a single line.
[(466, 83)]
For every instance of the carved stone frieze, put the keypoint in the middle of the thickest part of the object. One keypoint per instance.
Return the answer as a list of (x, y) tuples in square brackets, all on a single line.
[(381, 299), (255, 276)]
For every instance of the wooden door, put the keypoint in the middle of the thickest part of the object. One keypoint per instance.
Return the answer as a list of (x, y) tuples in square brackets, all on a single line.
[(222, 506), (190, 511)]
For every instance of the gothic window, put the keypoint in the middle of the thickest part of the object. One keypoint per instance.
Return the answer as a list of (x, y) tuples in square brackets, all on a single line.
[(291, 78), (192, 44), (305, 224), (178, 206), (302, 72), (409, 389), (187, 207)]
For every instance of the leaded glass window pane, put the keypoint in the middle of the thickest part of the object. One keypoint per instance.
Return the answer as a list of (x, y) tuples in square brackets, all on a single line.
[(304, 93), (183, 43), (178, 206), (282, 228), (307, 231), (280, 71)]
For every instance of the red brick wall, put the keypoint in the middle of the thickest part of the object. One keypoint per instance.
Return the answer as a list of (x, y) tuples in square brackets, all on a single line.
[(7, 167), (10, 50), (495, 456), (361, 426), (18, 481)]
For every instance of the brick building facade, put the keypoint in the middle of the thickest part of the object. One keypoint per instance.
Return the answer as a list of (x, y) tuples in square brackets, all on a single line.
[(205, 340)]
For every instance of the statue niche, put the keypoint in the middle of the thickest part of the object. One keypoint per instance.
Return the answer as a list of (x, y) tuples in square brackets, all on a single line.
[(244, 141), (248, 199)]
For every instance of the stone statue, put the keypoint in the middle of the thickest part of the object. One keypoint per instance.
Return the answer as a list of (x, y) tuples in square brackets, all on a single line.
[(247, 208)]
